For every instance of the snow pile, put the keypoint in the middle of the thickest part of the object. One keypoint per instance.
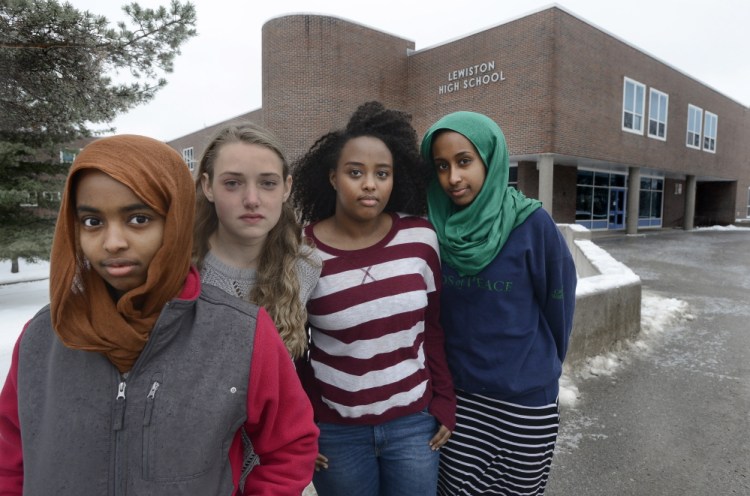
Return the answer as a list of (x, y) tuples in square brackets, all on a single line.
[(730, 227), (599, 271), (657, 315)]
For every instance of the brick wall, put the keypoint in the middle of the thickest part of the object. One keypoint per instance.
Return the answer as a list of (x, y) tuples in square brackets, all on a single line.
[(521, 103), (318, 69)]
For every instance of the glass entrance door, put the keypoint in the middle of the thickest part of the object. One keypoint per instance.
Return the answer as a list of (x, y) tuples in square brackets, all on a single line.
[(616, 208)]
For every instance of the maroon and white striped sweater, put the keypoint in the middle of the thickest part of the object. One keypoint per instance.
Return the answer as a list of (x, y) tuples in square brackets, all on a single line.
[(377, 350)]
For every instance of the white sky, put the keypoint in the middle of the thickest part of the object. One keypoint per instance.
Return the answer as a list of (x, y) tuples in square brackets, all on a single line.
[(218, 75)]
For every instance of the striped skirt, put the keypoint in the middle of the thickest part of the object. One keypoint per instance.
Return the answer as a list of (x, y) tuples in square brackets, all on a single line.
[(498, 448)]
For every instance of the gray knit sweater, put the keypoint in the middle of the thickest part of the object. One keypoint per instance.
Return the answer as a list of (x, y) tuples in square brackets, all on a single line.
[(239, 282)]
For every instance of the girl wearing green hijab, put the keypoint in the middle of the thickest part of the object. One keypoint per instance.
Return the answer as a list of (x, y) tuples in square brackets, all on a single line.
[(506, 309)]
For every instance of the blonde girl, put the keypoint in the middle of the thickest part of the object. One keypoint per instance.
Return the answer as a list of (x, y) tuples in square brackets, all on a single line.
[(247, 240)]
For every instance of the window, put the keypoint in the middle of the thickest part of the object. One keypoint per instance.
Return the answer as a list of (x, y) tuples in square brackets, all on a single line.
[(51, 195), (633, 101), (657, 114), (748, 203), (187, 156), (513, 175), (695, 119), (68, 156), (709, 132), (650, 202), (593, 197)]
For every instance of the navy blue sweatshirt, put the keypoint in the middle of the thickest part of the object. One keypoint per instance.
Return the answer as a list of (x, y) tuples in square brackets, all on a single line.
[(507, 327)]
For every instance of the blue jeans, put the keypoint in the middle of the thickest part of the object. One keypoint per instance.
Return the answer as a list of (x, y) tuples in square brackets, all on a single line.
[(389, 459)]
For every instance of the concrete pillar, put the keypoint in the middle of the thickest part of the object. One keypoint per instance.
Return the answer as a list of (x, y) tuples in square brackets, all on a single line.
[(634, 199), (546, 169), (690, 188)]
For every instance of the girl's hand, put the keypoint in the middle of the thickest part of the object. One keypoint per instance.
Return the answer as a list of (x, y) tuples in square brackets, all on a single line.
[(321, 462), (439, 439)]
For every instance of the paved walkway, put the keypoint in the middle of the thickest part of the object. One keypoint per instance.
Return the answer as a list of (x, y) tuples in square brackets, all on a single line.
[(673, 420)]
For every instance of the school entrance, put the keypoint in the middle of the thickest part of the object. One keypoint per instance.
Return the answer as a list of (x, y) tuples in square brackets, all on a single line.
[(601, 200)]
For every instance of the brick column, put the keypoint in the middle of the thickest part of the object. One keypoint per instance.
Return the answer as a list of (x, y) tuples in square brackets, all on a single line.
[(690, 187)]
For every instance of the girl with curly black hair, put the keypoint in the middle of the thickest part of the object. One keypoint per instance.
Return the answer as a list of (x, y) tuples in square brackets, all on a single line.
[(377, 374)]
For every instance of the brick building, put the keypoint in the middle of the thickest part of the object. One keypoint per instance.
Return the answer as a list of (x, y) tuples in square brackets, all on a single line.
[(605, 135)]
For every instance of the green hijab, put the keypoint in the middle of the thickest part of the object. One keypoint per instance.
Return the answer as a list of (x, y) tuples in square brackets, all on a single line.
[(471, 237)]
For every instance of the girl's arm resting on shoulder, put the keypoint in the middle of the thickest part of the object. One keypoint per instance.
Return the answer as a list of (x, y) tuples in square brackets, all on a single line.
[(11, 454), (280, 419)]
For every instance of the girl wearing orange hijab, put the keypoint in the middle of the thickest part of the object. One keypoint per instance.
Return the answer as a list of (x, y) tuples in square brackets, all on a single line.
[(135, 379)]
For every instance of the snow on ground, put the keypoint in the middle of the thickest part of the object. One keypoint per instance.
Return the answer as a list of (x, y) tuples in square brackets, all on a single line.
[(18, 303), (723, 228), (27, 271), (658, 314)]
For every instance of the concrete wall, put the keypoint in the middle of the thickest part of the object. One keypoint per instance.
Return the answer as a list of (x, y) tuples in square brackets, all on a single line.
[(608, 299)]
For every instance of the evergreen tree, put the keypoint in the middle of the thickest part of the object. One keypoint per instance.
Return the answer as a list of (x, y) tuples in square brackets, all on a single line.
[(57, 65), (63, 71), (29, 201)]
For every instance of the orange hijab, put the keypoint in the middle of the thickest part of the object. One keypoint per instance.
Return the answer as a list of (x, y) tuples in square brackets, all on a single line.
[(84, 315)]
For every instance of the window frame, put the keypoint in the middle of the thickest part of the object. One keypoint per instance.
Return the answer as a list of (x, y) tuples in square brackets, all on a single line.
[(596, 192), (699, 120), (659, 94), (636, 86), (652, 187), (188, 155), (512, 183), (714, 128), (70, 154)]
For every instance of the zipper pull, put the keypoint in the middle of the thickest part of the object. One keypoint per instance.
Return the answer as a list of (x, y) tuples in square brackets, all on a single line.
[(150, 403), (152, 393), (119, 410), (121, 391)]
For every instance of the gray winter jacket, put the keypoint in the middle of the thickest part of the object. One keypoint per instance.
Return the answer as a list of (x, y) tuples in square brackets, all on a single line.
[(164, 429)]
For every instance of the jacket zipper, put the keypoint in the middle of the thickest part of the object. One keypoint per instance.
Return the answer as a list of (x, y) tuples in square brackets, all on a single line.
[(118, 423), (147, 429)]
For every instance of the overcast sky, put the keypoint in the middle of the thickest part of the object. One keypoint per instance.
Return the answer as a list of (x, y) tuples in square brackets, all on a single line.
[(218, 75)]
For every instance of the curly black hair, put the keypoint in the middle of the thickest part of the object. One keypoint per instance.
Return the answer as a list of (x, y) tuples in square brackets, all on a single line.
[(313, 196)]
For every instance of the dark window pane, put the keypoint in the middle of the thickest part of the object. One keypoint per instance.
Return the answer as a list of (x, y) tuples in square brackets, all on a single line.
[(656, 206), (601, 179), (584, 198), (627, 121), (601, 200), (617, 180), (644, 205), (585, 177)]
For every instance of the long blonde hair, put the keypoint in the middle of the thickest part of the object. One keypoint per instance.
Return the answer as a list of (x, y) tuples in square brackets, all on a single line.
[(277, 285)]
